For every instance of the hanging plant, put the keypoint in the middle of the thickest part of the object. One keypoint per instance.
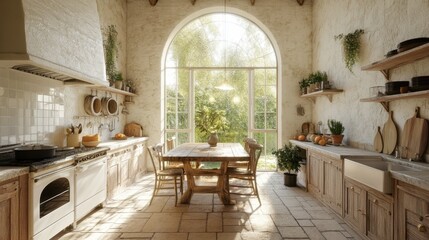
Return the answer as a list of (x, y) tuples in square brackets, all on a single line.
[(111, 51), (351, 47)]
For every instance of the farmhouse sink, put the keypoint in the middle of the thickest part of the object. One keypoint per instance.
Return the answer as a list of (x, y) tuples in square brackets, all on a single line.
[(373, 171)]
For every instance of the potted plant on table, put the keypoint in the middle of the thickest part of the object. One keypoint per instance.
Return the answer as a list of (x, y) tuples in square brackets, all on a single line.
[(337, 129), (209, 121), (288, 158), (118, 80)]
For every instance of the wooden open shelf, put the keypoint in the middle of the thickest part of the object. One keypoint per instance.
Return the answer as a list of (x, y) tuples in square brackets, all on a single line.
[(326, 92), (115, 90), (384, 100), (397, 60)]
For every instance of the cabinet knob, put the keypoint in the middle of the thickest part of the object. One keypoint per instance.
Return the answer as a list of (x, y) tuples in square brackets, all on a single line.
[(352, 188), (375, 201), (330, 162), (421, 228)]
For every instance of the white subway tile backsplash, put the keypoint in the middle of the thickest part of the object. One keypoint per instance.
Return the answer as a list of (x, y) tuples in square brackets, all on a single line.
[(27, 107)]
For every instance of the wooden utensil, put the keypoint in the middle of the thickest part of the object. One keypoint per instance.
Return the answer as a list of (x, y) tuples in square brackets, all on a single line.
[(378, 141), (390, 135), (415, 135)]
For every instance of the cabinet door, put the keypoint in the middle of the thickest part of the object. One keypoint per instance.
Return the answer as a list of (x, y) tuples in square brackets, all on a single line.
[(315, 174), (113, 180), (412, 213), (379, 217), (9, 210), (141, 155), (333, 184), (354, 205)]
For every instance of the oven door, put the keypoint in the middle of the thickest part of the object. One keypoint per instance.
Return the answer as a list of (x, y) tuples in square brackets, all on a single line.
[(91, 184), (52, 202)]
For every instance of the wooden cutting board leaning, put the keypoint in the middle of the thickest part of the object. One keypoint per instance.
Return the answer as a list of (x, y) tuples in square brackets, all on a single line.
[(415, 135), (378, 141), (390, 135), (133, 129)]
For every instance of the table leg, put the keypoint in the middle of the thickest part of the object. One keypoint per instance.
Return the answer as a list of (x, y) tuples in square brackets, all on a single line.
[(222, 184), (187, 195)]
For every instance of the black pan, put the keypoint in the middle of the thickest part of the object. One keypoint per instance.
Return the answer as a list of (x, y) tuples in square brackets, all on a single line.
[(412, 43), (34, 152)]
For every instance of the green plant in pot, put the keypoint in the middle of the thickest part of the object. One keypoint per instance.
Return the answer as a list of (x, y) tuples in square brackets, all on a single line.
[(317, 79), (118, 80), (337, 129), (288, 158), (209, 121), (303, 84)]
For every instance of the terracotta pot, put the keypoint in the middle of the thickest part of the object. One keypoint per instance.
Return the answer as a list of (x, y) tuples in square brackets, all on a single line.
[(337, 139), (290, 180), (213, 139)]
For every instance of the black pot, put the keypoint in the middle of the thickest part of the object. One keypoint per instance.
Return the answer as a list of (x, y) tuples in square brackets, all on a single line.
[(411, 43), (290, 179), (34, 152), (394, 87)]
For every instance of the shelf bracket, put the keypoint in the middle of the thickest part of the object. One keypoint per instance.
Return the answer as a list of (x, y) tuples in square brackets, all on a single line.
[(329, 98), (385, 106), (300, 2), (385, 73)]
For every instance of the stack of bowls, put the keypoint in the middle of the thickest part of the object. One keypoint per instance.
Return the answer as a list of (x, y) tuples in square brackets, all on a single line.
[(395, 87), (420, 83)]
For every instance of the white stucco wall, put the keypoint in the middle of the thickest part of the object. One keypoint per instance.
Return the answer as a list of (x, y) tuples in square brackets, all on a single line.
[(148, 29), (386, 23)]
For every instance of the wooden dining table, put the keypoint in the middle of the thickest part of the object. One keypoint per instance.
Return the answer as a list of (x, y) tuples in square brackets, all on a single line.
[(202, 152)]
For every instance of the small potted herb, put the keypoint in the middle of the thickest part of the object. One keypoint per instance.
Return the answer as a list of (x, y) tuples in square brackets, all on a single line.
[(337, 129), (288, 158), (118, 80), (303, 84)]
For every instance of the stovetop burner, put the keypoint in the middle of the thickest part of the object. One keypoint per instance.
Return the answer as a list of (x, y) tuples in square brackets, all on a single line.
[(61, 154)]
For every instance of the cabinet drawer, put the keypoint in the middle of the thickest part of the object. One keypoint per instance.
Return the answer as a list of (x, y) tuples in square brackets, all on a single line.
[(417, 227)]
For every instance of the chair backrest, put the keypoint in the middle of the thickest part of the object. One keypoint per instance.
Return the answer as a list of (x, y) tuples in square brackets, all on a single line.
[(155, 153), (246, 143), (171, 143), (255, 151)]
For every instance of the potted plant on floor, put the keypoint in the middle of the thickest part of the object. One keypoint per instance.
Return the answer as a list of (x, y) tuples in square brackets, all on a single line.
[(337, 129), (288, 158), (209, 121)]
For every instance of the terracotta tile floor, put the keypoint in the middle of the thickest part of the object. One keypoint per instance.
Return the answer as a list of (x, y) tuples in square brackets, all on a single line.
[(285, 213)]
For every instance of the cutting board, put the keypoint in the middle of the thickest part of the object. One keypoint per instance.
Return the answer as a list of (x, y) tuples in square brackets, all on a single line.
[(133, 129), (390, 135), (378, 141), (415, 135)]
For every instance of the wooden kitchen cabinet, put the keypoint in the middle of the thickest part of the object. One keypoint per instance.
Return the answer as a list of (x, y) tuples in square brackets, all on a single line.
[(325, 179), (315, 173), (333, 183), (412, 212), (13, 208), (124, 166), (368, 211)]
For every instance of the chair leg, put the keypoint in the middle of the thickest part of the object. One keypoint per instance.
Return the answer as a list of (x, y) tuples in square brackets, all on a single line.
[(256, 189), (175, 190), (181, 184), (154, 190)]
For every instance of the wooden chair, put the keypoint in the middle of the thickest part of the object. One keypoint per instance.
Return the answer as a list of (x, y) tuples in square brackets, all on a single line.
[(246, 174), (243, 164), (171, 144), (163, 175)]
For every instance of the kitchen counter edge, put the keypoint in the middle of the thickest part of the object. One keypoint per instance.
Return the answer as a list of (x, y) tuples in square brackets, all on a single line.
[(7, 173), (117, 144)]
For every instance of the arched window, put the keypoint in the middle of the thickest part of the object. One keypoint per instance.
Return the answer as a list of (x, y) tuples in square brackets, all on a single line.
[(222, 61)]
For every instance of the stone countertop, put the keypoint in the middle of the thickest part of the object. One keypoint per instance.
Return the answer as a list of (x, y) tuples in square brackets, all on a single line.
[(418, 178), (7, 173), (334, 151), (117, 144)]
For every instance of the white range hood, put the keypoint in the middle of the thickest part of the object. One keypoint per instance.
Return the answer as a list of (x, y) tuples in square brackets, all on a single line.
[(59, 39)]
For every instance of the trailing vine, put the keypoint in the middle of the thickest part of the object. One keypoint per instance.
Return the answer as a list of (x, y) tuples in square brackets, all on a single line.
[(351, 47), (111, 51)]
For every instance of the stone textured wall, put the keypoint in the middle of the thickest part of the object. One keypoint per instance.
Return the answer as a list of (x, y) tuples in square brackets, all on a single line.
[(148, 29), (386, 23)]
